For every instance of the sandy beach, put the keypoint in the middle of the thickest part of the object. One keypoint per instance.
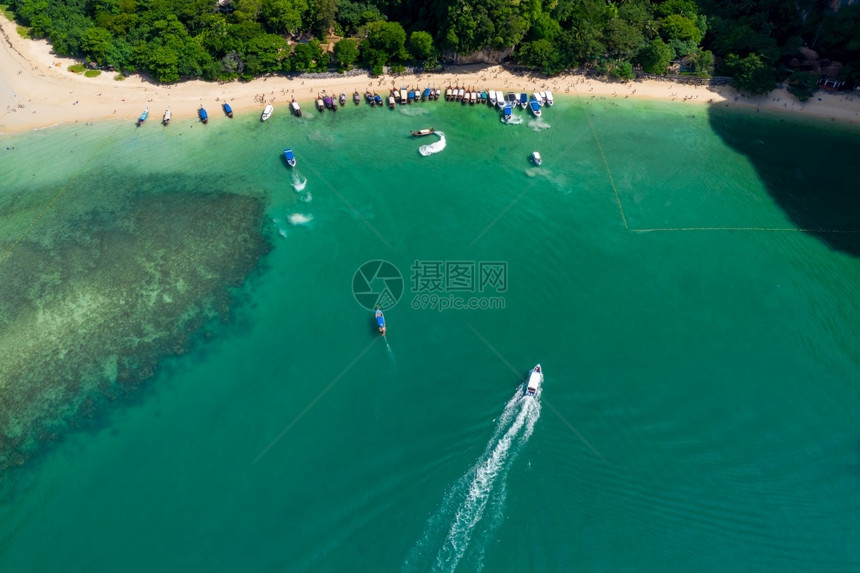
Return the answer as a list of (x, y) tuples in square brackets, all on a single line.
[(37, 90)]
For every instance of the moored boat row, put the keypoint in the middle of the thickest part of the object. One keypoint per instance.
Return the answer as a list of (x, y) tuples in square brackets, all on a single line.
[(506, 102)]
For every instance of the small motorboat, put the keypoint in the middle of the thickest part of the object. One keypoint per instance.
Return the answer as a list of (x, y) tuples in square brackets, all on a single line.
[(296, 108), (368, 97), (380, 321), (267, 113), (423, 132), (449, 94), (166, 119), (500, 99), (536, 158), (403, 96), (356, 98), (320, 104), (461, 93), (493, 98), (425, 95), (507, 114), (289, 157), (227, 109), (549, 98), (204, 117), (391, 102), (532, 385), (535, 107), (524, 100), (377, 99), (512, 98), (542, 98), (484, 97), (537, 97), (142, 117), (410, 96), (342, 100)]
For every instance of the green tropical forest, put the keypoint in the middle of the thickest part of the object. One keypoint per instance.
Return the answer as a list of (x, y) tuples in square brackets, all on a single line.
[(757, 42)]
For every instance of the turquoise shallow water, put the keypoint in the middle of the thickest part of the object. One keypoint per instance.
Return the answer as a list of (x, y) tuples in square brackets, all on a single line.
[(699, 408)]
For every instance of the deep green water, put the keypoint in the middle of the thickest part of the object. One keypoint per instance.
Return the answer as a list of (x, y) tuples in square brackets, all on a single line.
[(700, 405)]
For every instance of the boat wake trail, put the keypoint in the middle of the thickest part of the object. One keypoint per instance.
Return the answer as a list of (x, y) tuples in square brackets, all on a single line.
[(390, 351), (538, 124), (300, 219), (299, 183), (434, 147), (456, 528)]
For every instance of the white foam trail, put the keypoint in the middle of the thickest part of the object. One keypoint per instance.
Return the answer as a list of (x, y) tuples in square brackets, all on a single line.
[(390, 351), (299, 182), (538, 124), (300, 219), (434, 147), (482, 490), (412, 111), (515, 120)]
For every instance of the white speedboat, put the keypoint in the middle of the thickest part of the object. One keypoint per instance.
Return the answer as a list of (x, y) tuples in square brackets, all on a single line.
[(549, 98), (537, 97), (500, 99), (535, 380), (536, 158), (267, 113), (493, 98), (542, 98), (535, 107), (166, 119)]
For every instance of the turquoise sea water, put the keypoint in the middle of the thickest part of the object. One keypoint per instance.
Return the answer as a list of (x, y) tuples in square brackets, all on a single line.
[(699, 407)]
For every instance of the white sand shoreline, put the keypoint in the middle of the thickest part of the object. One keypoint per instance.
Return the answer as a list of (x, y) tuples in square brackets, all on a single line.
[(38, 91)]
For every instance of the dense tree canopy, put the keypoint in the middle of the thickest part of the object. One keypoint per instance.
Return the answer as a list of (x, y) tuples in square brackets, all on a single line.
[(757, 41)]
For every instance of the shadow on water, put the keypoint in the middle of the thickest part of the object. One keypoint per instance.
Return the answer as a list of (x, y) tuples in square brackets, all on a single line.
[(808, 167)]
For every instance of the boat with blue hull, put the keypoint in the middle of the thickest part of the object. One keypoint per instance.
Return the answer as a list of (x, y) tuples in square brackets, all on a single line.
[(142, 117), (204, 117), (507, 114), (380, 321), (535, 107), (228, 111), (290, 157), (532, 385)]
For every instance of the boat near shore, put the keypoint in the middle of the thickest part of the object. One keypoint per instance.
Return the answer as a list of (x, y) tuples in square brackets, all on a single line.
[(228, 111), (535, 107), (296, 108), (165, 120), (424, 132), (142, 117), (204, 117), (267, 112)]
